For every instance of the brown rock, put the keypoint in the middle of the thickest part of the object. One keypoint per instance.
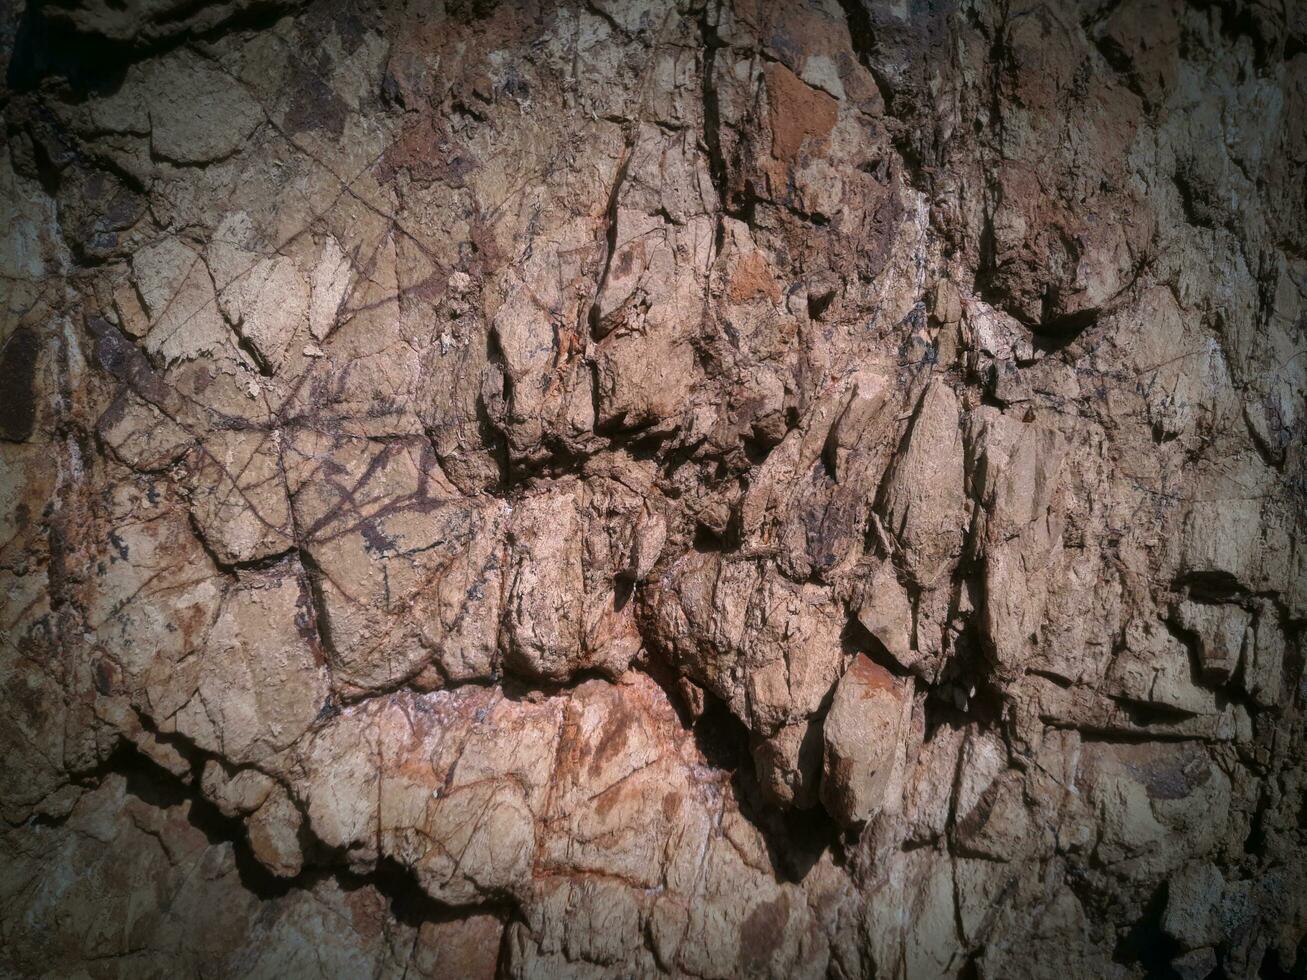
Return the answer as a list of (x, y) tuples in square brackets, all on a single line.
[(474, 476)]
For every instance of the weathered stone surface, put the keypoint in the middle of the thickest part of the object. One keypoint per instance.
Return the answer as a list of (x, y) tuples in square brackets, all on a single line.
[(407, 572), (695, 488), (1219, 633), (767, 646), (923, 499), (176, 293), (259, 680), (886, 612), (1155, 666), (1193, 899), (867, 736), (1263, 668)]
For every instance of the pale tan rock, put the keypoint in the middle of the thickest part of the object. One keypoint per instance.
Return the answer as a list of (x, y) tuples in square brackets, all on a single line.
[(865, 736), (1089, 710), (547, 597), (197, 113), (1156, 667), (923, 496), (789, 764), (575, 552), (918, 924), (467, 947), (653, 282), (983, 759), (408, 571), (260, 679), (1160, 804), (1060, 928), (769, 648), (142, 436), (274, 830), (977, 883), (164, 754), (131, 313), (1263, 663), (177, 293), (1220, 633), (930, 786), (151, 577), (862, 427), (242, 792), (886, 612), (265, 298), (816, 525), (238, 495), (1016, 475), (329, 285), (1224, 525)]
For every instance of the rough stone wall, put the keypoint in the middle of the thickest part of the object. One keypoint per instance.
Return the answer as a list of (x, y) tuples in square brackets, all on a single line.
[(653, 487)]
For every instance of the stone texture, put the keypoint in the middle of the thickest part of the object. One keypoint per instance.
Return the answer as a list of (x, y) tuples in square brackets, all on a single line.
[(653, 487), (867, 735)]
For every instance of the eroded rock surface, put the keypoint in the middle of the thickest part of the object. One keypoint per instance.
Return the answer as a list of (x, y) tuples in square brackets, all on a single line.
[(653, 488)]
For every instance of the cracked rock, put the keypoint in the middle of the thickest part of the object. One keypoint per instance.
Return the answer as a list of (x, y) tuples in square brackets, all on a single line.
[(689, 488), (867, 737)]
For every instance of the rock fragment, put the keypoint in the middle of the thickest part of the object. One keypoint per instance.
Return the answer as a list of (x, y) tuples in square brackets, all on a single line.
[(865, 736), (1220, 633), (1193, 905), (886, 613), (923, 498)]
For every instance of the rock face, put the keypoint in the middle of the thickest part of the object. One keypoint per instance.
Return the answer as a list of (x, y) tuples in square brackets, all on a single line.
[(705, 489)]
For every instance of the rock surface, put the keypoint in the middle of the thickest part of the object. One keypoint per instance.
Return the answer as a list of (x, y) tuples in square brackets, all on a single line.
[(653, 487)]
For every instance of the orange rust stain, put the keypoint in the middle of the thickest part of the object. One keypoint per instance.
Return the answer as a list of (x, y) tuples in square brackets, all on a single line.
[(671, 805), (627, 257), (609, 799), (364, 914), (798, 112), (612, 740), (871, 676), (752, 278), (763, 931)]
